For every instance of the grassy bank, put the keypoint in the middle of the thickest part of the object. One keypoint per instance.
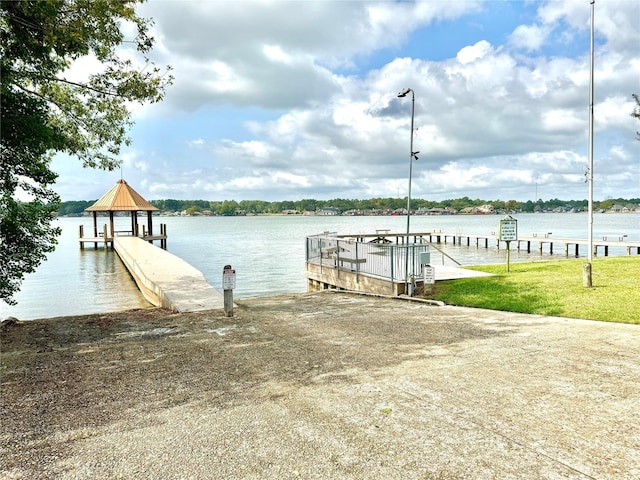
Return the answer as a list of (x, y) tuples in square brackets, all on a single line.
[(553, 288)]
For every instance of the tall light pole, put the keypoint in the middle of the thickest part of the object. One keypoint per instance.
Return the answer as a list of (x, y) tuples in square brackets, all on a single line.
[(586, 275), (412, 155)]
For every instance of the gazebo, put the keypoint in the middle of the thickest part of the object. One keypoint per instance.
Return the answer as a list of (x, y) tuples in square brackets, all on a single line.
[(123, 198)]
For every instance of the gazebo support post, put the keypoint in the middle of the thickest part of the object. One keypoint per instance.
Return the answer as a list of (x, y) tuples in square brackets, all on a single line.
[(95, 229), (113, 233), (134, 223)]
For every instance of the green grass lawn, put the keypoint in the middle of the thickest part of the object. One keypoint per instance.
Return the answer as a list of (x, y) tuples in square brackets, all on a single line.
[(553, 288)]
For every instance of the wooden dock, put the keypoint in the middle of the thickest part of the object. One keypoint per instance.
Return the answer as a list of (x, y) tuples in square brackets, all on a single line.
[(572, 245), (569, 245), (104, 240), (543, 241)]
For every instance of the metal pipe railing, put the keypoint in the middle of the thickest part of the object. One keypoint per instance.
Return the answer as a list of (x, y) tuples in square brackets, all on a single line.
[(387, 261)]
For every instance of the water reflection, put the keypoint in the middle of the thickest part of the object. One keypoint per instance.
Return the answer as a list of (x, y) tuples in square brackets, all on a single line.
[(75, 282)]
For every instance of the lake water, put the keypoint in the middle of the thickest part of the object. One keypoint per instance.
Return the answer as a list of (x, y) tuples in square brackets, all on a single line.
[(267, 252)]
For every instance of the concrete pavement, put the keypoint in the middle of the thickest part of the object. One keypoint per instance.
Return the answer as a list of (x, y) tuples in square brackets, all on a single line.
[(325, 386), (164, 279)]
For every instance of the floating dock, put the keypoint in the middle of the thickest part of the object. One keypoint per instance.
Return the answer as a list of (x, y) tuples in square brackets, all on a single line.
[(164, 279)]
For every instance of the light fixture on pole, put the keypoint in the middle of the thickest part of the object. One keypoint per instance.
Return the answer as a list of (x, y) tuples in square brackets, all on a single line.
[(412, 155)]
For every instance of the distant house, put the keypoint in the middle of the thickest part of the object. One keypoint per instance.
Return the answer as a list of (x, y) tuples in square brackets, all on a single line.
[(329, 211), (485, 209), (630, 208), (481, 210), (437, 211)]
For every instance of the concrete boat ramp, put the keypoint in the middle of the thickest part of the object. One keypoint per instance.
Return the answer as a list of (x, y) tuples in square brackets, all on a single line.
[(325, 385), (166, 280)]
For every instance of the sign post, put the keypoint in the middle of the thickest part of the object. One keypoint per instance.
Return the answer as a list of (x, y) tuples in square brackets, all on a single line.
[(429, 275), (508, 232), (228, 284), (428, 272)]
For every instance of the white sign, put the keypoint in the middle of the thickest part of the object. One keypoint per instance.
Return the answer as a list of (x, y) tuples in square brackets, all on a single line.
[(228, 279), (429, 274), (508, 230)]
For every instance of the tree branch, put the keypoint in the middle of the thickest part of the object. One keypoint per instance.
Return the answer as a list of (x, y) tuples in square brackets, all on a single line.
[(82, 85), (77, 119)]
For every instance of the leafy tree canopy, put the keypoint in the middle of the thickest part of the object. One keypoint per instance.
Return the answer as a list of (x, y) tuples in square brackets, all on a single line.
[(45, 112)]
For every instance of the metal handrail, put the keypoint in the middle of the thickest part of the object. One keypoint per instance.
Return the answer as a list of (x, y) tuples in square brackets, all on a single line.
[(388, 261)]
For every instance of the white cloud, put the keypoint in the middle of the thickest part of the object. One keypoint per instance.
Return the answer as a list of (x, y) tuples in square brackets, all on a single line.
[(309, 118), (561, 120), (528, 37), (131, 161), (276, 54), (475, 52), (607, 114), (616, 21)]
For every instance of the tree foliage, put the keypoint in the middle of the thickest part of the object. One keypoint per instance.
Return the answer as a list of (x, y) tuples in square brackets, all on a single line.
[(74, 208), (45, 111), (370, 206)]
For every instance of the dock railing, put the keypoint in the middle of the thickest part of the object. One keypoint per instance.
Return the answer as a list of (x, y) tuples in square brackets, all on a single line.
[(384, 260), (103, 237)]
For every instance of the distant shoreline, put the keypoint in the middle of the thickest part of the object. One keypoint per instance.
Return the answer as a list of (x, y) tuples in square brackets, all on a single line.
[(418, 214)]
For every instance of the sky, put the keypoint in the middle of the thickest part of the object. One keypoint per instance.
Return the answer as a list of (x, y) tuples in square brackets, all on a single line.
[(290, 100)]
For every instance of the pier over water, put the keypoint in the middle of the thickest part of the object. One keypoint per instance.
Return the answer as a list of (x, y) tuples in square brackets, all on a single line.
[(542, 239), (164, 279)]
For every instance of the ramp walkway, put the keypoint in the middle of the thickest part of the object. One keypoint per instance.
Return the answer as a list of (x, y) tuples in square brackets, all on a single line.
[(446, 272), (166, 280)]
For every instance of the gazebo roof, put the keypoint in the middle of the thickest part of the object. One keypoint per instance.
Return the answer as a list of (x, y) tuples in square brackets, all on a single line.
[(121, 198)]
